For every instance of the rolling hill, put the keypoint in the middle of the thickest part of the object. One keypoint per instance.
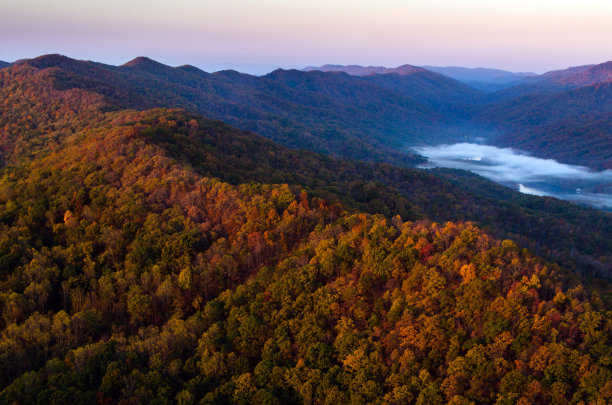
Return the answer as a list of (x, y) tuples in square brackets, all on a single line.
[(434, 90), (536, 110), (584, 140)]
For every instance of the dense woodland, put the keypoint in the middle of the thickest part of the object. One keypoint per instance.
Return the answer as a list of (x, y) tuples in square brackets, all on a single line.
[(580, 140), (563, 114), (314, 111), (154, 256)]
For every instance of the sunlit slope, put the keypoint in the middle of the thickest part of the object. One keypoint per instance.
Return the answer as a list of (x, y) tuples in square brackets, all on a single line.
[(39, 113), (142, 259)]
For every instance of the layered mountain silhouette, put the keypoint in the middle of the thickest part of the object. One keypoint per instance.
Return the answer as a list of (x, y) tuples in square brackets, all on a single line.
[(561, 114), (373, 113), (565, 115), (332, 113), (356, 70), (484, 79), (418, 83)]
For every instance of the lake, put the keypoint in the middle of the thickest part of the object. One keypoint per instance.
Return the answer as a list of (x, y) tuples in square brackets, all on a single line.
[(525, 173)]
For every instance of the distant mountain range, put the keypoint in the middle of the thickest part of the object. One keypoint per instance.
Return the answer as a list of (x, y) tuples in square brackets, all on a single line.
[(562, 114), (484, 79), (333, 113), (487, 79), (375, 113), (356, 70)]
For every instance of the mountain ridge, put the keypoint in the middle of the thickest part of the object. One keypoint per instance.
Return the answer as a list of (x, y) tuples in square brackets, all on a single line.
[(357, 70), (373, 117), (146, 258), (368, 185), (256, 103), (485, 79)]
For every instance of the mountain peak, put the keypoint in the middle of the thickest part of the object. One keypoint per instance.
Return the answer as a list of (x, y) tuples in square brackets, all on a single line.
[(51, 60), (143, 62), (228, 73), (404, 70), (190, 69)]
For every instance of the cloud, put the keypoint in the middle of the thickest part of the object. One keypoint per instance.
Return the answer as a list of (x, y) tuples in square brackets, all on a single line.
[(505, 164), (528, 174)]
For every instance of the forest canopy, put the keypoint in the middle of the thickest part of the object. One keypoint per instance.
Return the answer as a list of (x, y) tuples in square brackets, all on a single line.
[(146, 257)]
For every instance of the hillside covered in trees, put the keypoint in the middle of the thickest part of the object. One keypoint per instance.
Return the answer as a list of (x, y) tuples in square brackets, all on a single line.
[(154, 256)]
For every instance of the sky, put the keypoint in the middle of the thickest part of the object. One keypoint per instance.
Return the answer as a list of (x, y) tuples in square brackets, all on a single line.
[(256, 36)]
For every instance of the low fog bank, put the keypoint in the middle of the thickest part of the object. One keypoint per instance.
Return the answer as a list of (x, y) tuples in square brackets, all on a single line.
[(525, 173)]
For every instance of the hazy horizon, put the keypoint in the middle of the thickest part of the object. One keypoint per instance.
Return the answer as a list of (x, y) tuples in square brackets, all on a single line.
[(264, 68), (518, 36)]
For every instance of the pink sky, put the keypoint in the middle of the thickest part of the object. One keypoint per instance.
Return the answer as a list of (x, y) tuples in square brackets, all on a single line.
[(257, 35)]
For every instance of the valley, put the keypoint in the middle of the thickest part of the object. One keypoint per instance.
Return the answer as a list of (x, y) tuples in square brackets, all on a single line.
[(169, 235), (525, 173)]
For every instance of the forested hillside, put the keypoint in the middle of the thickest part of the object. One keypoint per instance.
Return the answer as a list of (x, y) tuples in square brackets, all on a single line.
[(584, 140), (564, 115), (437, 91), (328, 113), (157, 256), (577, 238), (369, 117), (570, 126), (536, 110)]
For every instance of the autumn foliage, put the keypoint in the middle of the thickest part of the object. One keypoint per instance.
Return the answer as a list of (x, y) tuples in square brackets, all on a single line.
[(144, 258)]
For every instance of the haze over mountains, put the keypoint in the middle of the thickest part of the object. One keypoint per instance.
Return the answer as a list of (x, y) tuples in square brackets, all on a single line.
[(378, 113), (484, 79), (356, 70), (374, 116), (562, 114), (143, 84)]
